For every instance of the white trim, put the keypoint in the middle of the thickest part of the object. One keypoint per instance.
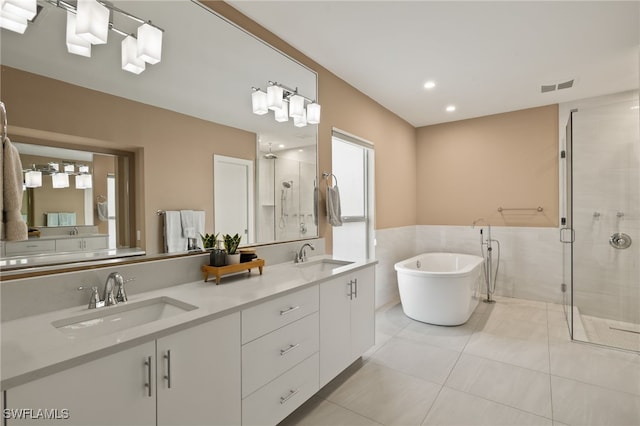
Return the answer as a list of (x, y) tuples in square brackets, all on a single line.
[(348, 137)]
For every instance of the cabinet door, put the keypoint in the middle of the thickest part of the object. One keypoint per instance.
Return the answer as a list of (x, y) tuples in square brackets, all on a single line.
[(96, 243), (335, 329), (69, 244), (199, 375), (363, 312), (107, 391)]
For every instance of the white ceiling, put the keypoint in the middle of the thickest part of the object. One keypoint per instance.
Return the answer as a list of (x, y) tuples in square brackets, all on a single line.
[(485, 57)]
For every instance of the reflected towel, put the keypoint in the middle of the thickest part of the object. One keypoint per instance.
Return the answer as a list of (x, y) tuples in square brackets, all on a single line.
[(12, 226), (174, 242), (316, 197), (188, 221), (334, 212), (66, 219), (103, 211), (53, 219)]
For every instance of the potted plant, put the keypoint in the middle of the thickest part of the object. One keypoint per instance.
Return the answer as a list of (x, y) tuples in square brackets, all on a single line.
[(231, 244), (217, 256), (209, 241)]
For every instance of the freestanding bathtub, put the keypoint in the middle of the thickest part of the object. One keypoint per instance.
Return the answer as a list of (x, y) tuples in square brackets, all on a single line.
[(440, 288)]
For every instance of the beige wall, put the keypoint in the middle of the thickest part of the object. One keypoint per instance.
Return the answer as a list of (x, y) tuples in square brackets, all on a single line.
[(469, 168), (175, 152)]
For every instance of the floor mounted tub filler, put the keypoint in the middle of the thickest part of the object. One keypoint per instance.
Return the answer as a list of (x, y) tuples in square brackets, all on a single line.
[(440, 288)]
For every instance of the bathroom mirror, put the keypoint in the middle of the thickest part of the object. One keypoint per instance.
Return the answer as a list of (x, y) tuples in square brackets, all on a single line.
[(173, 117)]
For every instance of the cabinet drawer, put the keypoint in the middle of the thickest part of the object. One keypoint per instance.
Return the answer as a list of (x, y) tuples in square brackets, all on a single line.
[(29, 247), (271, 355), (266, 317), (276, 400)]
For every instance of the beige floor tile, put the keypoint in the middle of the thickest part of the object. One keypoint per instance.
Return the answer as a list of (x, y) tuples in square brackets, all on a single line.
[(613, 369), (384, 395), (457, 408), (577, 403), (320, 412), (417, 359), (531, 354), (447, 337), (507, 384)]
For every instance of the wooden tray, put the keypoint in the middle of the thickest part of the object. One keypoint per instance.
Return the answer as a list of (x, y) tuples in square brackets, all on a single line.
[(220, 271)]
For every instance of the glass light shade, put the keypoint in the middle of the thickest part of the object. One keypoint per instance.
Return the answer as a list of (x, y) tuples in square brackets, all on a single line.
[(274, 97), (83, 169), (149, 43), (60, 180), (54, 166), (300, 121), (130, 60), (12, 22), (259, 102), (296, 106), (23, 8), (69, 168), (33, 179), (313, 113), (92, 21), (282, 114), (76, 44), (84, 182)]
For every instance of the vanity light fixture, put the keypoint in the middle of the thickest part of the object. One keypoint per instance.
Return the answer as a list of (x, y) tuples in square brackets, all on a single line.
[(84, 179), (33, 179), (15, 14), (60, 180), (89, 23), (285, 102)]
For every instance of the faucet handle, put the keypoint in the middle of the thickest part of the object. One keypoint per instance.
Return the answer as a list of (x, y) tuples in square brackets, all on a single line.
[(121, 295), (94, 300)]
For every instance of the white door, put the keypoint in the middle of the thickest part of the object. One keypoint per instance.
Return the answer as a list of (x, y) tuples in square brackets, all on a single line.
[(233, 192), (352, 166)]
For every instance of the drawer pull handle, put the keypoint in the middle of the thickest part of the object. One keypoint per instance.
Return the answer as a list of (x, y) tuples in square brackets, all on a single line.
[(167, 377), (148, 383), (289, 349), (292, 392), (288, 311)]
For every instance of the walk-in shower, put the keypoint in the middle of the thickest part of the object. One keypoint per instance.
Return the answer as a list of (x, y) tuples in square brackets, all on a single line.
[(601, 222)]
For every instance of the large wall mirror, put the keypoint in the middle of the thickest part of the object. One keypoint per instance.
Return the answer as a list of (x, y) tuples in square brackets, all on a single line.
[(168, 122)]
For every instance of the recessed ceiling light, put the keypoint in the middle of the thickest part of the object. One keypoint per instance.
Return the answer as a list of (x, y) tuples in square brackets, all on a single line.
[(430, 84), (451, 108), (281, 145)]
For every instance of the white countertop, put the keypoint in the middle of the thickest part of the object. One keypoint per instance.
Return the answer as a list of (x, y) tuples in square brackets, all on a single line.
[(32, 347)]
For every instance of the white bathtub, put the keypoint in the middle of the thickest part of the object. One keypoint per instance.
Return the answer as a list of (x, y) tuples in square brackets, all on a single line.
[(440, 288)]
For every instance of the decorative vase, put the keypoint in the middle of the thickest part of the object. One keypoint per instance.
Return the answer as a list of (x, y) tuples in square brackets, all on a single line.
[(233, 259), (217, 257)]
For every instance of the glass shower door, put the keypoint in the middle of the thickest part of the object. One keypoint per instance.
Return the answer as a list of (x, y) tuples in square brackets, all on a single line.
[(566, 231)]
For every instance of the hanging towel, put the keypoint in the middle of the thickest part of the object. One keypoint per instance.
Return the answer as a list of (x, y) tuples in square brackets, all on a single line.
[(174, 242), (198, 220), (316, 197), (53, 219), (67, 219), (13, 227), (188, 221), (103, 211), (334, 212)]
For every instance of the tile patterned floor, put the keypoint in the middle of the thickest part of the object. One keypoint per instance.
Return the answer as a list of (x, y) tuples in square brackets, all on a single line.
[(511, 364)]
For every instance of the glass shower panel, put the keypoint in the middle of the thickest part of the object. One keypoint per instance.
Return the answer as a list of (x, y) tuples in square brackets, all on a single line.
[(605, 176)]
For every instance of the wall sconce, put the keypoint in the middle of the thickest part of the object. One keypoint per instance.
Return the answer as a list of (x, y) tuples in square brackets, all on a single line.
[(88, 23), (84, 179), (33, 179), (285, 102), (60, 180)]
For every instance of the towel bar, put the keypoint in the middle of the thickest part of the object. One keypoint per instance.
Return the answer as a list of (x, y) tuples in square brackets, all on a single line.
[(538, 209)]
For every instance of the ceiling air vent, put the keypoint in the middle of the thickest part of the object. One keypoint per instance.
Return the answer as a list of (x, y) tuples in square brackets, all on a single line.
[(552, 87)]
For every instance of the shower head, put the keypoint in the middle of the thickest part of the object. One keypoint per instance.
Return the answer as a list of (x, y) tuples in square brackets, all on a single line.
[(287, 184), (270, 155)]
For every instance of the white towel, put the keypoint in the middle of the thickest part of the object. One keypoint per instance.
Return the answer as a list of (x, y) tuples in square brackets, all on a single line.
[(174, 242), (67, 219), (334, 212), (188, 220), (103, 211), (198, 222), (53, 219), (13, 227)]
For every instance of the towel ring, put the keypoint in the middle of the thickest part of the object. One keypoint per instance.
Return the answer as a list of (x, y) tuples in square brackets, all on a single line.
[(101, 198), (326, 175)]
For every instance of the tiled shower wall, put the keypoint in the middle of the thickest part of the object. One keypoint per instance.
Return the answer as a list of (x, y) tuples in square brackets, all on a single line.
[(530, 258)]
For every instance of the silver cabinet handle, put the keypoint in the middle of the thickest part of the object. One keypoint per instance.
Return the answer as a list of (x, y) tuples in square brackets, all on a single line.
[(167, 376), (355, 284), (292, 392), (289, 310), (289, 349), (350, 294), (148, 383)]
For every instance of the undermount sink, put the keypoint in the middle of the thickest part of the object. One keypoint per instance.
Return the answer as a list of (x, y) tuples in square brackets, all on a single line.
[(323, 265), (107, 320)]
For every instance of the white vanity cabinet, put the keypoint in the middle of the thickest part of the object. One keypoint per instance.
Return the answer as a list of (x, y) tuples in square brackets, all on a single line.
[(31, 246), (347, 322), (82, 244), (279, 356), (191, 377)]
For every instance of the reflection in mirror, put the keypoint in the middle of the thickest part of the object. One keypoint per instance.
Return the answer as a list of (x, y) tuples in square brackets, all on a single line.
[(175, 115)]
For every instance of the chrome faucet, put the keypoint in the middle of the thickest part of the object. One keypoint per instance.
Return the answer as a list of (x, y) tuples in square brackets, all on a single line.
[(74, 231), (301, 256), (113, 279)]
